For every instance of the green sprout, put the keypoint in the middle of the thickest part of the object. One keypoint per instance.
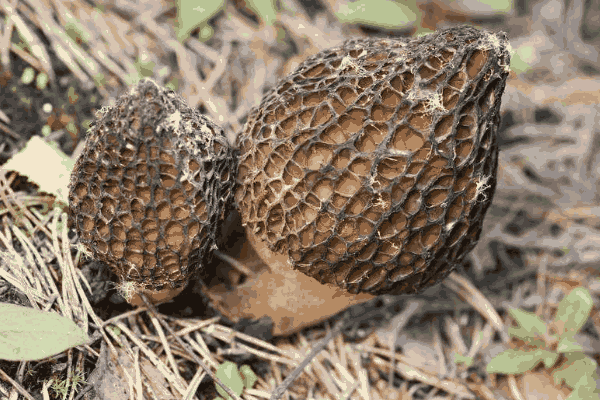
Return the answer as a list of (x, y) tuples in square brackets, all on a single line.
[(62, 388), (547, 342), (192, 15), (42, 81), (76, 31), (46, 130), (234, 378), (28, 76)]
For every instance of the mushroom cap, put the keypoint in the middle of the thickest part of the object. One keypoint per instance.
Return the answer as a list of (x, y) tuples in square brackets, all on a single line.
[(150, 186), (372, 165)]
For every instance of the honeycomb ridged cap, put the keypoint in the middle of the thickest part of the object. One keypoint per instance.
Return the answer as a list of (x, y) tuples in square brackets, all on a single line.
[(372, 165), (150, 187)]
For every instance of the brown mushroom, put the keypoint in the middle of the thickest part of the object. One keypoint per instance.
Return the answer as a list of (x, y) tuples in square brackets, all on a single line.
[(367, 171), (149, 189)]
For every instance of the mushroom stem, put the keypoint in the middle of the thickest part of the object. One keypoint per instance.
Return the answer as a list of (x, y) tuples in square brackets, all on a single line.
[(290, 298), (154, 296)]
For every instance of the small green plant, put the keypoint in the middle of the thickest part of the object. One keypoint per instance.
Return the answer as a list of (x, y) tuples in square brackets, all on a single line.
[(46, 130), (28, 76), (42, 80), (144, 68), (234, 378), (76, 31), (382, 13), (460, 359), (72, 95), (191, 15), (114, 329), (173, 84), (99, 79), (522, 58), (545, 343), (61, 388)]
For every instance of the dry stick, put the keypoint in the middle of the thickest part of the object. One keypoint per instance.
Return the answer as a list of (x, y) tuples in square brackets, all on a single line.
[(28, 58), (234, 263), (541, 285), (279, 390), (22, 209), (10, 132), (399, 323), (33, 42), (155, 313), (5, 44), (465, 289), (19, 388), (457, 283)]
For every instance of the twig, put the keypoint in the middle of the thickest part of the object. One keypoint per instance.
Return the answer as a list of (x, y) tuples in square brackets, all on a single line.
[(16, 385), (10, 132), (197, 359), (398, 323), (541, 284), (234, 263), (465, 289), (35, 45), (5, 44), (345, 322), (280, 390)]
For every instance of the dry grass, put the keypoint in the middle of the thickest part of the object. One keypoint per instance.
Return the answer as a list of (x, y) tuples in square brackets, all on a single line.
[(226, 77)]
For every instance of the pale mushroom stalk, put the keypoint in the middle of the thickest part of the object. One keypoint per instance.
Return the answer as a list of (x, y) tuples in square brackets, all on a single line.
[(290, 298)]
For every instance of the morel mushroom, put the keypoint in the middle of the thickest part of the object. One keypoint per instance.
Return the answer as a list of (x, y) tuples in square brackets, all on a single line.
[(149, 189), (367, 171)]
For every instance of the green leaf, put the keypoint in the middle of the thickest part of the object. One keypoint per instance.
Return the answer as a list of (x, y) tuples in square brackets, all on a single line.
[(514, 361), (192, 14), (144, 68), (531, 323), (228, 374), (250, 377), (132, 78), (265, 9), (460, 359), (114, 329), (42, 81), (578, 370), (28, 76), (99, 79), (499, 5), (382, 13), (551, 359), (205, 33), (517, 63), (573, 310), (584, 393), (173, 84), (46, 130), (526, 336), (27, 334), (76, 31), (568, 344), (71, 127)]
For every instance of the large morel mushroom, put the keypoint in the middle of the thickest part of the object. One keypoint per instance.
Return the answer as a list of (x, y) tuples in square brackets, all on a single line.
[(368, 171), (149, 189)]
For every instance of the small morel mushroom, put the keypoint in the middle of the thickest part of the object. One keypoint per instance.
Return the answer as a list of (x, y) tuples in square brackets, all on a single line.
[(368, 171), (148, 191)]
